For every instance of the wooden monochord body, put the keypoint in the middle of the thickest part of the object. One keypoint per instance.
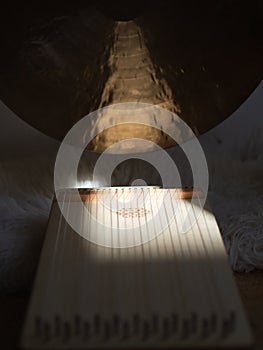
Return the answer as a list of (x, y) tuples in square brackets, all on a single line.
[(173, 291)]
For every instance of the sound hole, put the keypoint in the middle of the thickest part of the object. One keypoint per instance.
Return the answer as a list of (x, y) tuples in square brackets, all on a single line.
[(133, 212)]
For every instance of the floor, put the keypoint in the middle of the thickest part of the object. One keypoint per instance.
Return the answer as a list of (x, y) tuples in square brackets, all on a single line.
[(250, 285), (251, 290)]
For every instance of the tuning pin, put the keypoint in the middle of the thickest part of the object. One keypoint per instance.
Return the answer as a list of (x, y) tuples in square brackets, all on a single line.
[(66, 331), (38, 326), (228, 324), (194, 319), (213, 322), (175, 322), (86, 326), (97, 323), (155, 323), (47, 331), (57, 325), (116, 323), (185, 328), (77, 322), (126, 330), (106, 328), (146, 330), (232, 321), (205, 327), (166, 328), (136, 323), (224, 327)]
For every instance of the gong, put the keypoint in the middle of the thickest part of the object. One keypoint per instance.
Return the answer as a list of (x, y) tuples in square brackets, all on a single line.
[(60, 62)]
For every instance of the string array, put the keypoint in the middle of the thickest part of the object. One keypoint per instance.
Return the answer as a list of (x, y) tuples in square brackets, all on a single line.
[(174, 288)]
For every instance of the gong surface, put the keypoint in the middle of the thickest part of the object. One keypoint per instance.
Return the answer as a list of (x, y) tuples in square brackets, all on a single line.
[(60, 62)]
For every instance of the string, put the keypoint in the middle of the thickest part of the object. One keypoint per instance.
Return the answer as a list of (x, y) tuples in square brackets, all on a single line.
[(105, 301), (204, 247), (196, 271), (129, 291), (59, 275), (159, 258), (143, 283), (135, 270), (44, 306), (165, 271), (215, 268), (186, 311), (66, 244), (176, 278), (108, 296), (178, 282), (153, 292), (88, 264), (112, 251), (207, 295), (118, 251), (197, 244), (81, 254), (97, 292)]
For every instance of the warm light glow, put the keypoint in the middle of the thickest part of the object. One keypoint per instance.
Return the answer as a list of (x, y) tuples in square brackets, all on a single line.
[(132, 217)]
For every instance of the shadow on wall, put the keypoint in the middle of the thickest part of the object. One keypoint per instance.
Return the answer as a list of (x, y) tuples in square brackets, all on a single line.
[(18, 140), (240, 136)]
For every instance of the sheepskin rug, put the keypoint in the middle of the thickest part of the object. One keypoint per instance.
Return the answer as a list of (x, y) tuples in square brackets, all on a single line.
[(26, 185)]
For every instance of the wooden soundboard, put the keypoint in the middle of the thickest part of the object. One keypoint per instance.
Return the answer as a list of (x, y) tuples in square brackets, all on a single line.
[(173, 291)]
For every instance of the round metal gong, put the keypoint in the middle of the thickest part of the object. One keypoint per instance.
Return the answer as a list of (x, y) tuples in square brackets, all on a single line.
[(60, 62)]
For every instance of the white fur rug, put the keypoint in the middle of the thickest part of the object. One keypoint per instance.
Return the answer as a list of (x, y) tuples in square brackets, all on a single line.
[(26, 193), (236, 195), (25, 199)]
